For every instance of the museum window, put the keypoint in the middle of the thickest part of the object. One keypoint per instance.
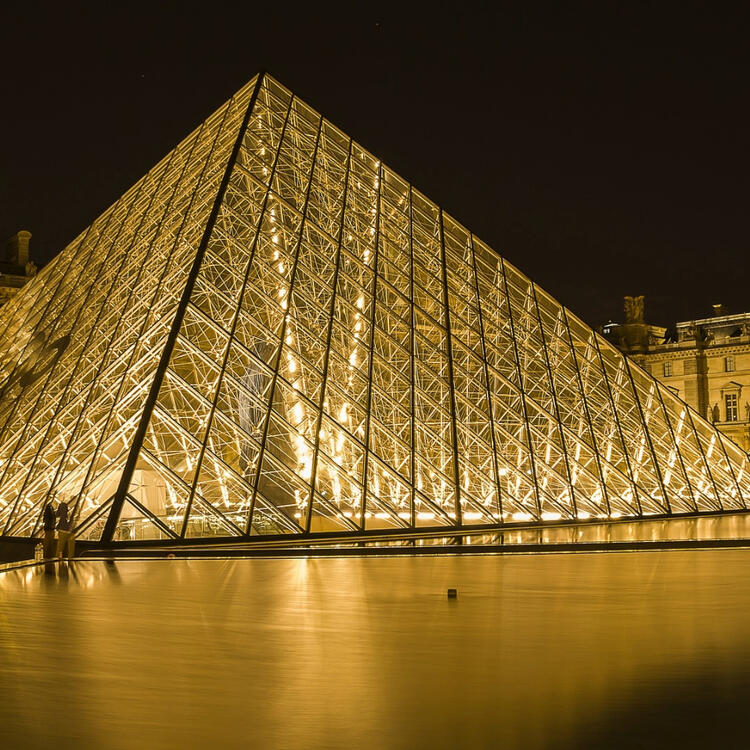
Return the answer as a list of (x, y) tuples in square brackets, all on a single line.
[(667, 369), (729, 364), (730, 404)]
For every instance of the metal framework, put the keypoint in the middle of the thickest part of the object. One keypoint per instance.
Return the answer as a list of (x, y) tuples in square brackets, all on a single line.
[(274, 334)]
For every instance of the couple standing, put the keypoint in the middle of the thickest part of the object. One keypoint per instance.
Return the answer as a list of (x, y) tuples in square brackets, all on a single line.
[(60, 520)]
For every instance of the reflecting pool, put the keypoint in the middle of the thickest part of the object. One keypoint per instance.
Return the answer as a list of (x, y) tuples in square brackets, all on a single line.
[(537, 651)]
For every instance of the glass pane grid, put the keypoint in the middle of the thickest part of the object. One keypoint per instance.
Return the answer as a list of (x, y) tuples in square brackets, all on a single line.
[(345, 357)]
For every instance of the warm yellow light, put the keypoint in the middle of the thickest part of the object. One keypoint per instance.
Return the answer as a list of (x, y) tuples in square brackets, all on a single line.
[(297, 413)]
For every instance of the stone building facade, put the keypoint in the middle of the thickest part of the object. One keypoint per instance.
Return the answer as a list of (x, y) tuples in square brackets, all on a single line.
[(705, 362), (16, 268)]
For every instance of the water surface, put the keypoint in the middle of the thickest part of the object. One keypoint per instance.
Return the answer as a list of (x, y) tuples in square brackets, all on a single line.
[(538, 651)]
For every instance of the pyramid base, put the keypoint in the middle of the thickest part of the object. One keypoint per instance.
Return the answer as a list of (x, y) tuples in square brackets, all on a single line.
[(719, 529)]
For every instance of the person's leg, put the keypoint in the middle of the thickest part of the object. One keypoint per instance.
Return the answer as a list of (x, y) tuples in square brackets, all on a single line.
[(60, 543), (65, 536), (49, 543), (71, 544)]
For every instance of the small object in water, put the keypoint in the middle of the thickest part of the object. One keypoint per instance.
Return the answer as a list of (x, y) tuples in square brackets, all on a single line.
[(452, 593)]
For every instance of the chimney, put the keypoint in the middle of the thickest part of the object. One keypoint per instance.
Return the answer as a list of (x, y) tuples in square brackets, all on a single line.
[(719, 310), (17, 248)]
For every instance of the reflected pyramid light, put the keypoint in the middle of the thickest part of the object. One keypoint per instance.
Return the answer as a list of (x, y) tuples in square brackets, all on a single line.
[(272, 334)]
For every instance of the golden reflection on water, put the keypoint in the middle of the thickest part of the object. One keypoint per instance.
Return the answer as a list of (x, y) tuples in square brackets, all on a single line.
[(537, 651)]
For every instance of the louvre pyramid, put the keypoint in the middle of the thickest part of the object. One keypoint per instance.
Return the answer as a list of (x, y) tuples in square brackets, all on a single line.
[(274, 334)]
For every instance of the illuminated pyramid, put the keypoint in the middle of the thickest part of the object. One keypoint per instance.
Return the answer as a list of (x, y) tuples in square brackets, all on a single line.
[(274, 334)]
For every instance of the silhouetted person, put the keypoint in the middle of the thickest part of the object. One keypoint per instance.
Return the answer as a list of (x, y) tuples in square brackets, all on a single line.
[(65, 539), (48, 523)]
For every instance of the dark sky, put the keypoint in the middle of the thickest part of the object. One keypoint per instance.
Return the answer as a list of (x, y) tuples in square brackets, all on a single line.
[(601, 149)]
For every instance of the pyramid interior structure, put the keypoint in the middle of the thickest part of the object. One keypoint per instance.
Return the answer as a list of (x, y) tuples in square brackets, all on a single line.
[(272, 333)]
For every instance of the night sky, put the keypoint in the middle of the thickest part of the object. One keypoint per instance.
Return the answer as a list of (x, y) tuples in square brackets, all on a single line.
[(603, 152)]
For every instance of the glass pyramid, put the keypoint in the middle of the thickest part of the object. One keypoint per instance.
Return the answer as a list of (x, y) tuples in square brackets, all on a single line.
[(274, 334)]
